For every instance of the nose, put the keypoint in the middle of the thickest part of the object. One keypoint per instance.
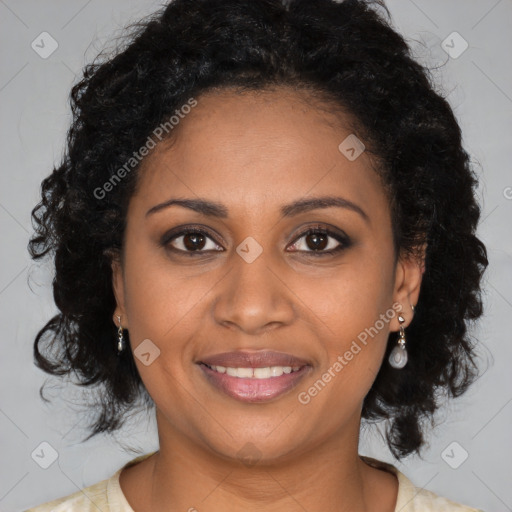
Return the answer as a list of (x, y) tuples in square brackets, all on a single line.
[(254, 297)]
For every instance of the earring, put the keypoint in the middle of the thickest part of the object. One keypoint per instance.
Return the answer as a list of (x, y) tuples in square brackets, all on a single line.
[(398, 357), (120, 342)]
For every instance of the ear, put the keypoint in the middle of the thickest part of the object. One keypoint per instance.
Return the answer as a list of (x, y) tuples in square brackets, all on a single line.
[(118, 289), (408, 276)]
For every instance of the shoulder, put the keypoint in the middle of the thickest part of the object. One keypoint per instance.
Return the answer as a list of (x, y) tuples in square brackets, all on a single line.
[(416, 499), (426, 500), (92, 498), (106, 496)]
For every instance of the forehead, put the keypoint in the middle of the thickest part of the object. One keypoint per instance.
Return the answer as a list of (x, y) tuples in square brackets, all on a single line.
[(259, 148)]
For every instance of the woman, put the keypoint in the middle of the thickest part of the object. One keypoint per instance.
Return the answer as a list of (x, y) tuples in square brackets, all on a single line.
[(264, 225)]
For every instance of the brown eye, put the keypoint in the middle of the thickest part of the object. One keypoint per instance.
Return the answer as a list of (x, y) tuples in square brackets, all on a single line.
[(194, 241), (317, 241), (191, 240), (320, 241)]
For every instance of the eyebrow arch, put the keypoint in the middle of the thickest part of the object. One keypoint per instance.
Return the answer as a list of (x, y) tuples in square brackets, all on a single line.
[(213, 209)]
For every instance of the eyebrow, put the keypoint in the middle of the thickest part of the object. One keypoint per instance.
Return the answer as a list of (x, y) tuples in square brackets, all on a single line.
[(214, 209)]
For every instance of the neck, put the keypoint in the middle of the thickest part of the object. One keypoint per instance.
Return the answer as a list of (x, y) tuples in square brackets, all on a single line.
[(329, 477)]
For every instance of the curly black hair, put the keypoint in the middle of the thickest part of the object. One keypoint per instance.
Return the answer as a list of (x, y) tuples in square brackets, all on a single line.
[(345, 53)]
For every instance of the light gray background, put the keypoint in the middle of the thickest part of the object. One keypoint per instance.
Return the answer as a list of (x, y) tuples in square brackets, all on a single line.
[(34, 118)]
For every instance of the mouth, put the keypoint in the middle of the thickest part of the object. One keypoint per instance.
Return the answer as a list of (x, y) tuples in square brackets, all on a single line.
[(254, 377), (255, 373)]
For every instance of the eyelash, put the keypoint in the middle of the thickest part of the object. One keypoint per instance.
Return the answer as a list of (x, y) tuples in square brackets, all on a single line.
[(342, 239)]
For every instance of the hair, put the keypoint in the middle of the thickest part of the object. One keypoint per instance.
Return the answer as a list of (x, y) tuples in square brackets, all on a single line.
[(345, 53)]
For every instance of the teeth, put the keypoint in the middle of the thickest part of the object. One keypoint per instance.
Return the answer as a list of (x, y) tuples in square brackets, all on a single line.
[(255, 373), (244, 373)]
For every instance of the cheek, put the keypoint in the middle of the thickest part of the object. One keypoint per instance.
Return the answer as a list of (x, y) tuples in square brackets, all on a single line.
[(355, 310), (350, 297), (165, 306), (158, 295), (352, 363), (161, 308)]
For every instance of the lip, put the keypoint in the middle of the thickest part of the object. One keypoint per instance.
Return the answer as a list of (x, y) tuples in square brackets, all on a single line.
[(251, 389), (261, 359)]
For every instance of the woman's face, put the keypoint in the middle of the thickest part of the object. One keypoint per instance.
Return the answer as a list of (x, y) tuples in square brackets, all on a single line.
[(253, 282)]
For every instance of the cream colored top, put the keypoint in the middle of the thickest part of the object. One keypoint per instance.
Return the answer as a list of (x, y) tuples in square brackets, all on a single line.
[(107, 495)]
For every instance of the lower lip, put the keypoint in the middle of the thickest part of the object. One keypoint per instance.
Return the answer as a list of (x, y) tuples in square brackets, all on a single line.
[(254, 390)]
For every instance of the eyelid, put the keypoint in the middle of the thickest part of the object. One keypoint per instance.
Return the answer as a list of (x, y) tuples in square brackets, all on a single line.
[(343, 240), (186, 229)]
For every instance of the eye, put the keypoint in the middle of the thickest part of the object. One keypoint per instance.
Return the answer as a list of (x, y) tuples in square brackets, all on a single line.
[(196, 240), (316, 241), (190, 240)]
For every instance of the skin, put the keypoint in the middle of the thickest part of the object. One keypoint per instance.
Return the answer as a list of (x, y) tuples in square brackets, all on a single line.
[(255, 152)]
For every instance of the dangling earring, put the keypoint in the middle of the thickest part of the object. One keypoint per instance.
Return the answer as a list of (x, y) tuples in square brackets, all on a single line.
[(120, 342), (398, 357)]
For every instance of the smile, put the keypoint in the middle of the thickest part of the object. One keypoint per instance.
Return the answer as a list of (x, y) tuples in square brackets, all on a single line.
[(254, 384), (255, 373)]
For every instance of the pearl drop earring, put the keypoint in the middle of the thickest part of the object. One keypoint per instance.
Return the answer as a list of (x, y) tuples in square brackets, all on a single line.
[(398, 357)]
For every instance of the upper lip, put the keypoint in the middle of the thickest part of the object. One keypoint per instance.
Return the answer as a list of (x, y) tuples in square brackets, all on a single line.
[(262, 359)]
